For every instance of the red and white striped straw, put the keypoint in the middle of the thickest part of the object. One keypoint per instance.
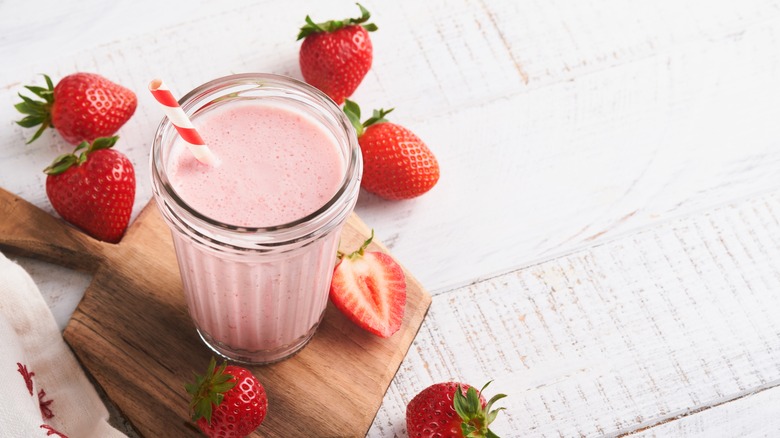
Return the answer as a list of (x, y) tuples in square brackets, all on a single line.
[(181, 122)]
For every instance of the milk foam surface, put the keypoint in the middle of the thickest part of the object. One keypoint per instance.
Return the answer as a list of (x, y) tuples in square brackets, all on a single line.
[(276, 165)]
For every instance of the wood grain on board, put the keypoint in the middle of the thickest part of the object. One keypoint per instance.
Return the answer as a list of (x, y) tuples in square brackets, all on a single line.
[(132, 332)]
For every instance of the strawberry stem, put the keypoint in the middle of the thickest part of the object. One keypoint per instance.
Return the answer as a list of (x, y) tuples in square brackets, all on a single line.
[(360, 251), (476, 419), (209, 390), (352, 111), (66, 161), (38, 112), (333, 25), (377, 117)]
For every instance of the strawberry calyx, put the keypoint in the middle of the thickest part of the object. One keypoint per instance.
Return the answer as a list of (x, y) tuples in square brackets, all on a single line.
[(209, 390), (358, 252), (476, 419), (333, 25), (352, 111), (66, 161), (37, 112)]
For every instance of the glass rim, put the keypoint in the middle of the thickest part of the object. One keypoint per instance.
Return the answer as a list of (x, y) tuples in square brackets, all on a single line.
[(207, 93)]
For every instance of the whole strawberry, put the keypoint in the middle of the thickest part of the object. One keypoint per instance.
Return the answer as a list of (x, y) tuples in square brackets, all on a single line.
[(396, 163), (451, 410), (369, 287), (336, 55), (93, 190), (227, 401), (82, 107)]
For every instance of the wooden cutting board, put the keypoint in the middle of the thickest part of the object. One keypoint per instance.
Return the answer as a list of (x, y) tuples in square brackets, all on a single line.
[(132, 332)]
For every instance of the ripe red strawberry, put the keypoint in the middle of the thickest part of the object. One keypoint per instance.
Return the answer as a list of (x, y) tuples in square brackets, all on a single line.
[(82, 107), (451, 410), (227, 401), (369, 287), (396, 163), (93, 190), (336, 55)]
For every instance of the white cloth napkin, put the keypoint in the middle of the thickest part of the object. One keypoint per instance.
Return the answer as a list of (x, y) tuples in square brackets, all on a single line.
[(46, 393)]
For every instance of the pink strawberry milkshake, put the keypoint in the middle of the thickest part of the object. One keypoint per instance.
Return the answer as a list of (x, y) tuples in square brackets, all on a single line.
[(256, 235), (276, 166)]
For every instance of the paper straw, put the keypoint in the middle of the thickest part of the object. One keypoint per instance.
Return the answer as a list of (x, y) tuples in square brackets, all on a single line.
[(182, 123)]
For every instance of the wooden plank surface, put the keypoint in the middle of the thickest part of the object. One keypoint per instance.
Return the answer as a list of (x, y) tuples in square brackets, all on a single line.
[(560, 126), (133, 334), (684, 103), (621, 337), (754, 415)]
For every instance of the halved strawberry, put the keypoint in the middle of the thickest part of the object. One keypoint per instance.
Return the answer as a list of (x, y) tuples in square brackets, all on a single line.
[(369, 287)]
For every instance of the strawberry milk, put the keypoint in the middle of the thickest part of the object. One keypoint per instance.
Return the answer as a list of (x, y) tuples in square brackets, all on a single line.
[(276, 166), (256, 235)]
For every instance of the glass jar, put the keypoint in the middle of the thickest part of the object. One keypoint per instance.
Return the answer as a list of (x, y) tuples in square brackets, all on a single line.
[(257, 294)]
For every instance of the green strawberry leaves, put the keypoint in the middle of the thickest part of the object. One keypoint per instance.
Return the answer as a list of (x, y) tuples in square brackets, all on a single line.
[(352, 111), (476, 420), (66, 161), (360, 251), (333, 25), (37, 112), (209, 390)]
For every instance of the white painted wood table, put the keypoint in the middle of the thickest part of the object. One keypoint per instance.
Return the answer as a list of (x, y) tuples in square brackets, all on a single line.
[(604, 242)]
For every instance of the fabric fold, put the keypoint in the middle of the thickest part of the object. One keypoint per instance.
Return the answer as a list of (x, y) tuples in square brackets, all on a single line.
[(50, 393)]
